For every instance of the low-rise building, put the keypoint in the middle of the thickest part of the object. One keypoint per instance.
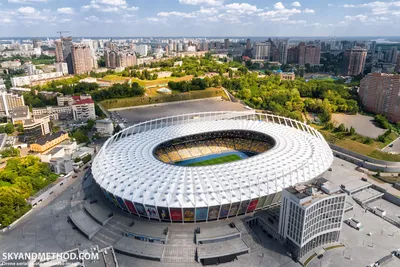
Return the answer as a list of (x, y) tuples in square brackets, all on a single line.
[(35, 128), (61, 67), (62, 165), (2, 85), (105, 127), (20, 114), (55, 112), (287, 76), (48, 141), (55, 152), (9, 101), (28, 80), (83, 108)]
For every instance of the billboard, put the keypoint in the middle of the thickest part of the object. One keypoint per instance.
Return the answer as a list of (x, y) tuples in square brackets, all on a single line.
[(224, 211), (130, 206), (164, 213), (188, 214), (234, 209), (176, 214), (243, 207), (201, 214), (151, 212), (213, 212), (121, 203), (261, 202), (140, 209), (114, 200), (107, 195), (252, 205)]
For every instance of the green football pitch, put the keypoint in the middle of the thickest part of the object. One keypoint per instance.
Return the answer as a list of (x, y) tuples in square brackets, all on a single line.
[(220, 160)]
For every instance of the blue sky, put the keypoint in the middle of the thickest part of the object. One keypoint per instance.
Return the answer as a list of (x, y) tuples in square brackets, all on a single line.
[(32, 18)]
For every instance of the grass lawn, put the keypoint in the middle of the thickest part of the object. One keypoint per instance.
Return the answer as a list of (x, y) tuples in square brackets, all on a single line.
[(161, 81), (114, 78), (220, 160)]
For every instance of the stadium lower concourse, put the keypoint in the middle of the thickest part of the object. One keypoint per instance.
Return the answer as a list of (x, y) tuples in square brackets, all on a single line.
[(208, 166)]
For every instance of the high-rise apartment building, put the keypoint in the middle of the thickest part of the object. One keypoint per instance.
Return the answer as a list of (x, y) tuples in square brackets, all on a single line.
[(82, 60), (248, 44), (10, 101), (115, 59), (391, 55), (354, 61), (380, 93), (312, 54), (283, 49), (302, 54), (311, 216), (262, 50), (59, 51), (37, 43), (66, 47), (226, 43), (143, 49)]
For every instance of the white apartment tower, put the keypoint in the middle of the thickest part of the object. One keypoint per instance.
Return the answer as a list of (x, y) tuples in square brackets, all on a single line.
[(262, 50)]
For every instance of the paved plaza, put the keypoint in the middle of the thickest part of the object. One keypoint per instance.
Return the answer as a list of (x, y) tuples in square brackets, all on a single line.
[(364, 125), (141, 114)]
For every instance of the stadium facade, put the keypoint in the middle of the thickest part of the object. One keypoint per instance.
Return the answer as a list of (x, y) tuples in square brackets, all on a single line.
[(152, 170)]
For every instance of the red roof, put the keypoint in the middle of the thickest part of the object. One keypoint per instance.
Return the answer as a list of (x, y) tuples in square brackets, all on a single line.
[(84, 101), (76, 97)]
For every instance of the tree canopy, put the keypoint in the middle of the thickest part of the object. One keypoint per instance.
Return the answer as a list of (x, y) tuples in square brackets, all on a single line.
[(20, 179)]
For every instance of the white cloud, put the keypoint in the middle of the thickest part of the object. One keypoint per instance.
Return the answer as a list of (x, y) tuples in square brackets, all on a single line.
[(360, 17), (307, 10), (176, 14), (27, 1), (348, 6), (26, 10), (109, 21), (202, 2), (279, 6), (242, 8), (119, 3), (294, 22), (92, 19), (65, 10), (208, 11), (296, 4), (279, 15), (153, 19), (109, 6)]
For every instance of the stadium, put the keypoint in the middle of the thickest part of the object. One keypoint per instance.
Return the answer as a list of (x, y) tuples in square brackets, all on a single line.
[(208, 166)]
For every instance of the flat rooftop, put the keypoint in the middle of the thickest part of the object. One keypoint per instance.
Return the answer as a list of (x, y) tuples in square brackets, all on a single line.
[(215, 232), (355, 185), (367, 195), (309, 193)]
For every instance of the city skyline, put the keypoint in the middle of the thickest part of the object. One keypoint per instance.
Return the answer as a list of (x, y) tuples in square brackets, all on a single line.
[(101, 18)]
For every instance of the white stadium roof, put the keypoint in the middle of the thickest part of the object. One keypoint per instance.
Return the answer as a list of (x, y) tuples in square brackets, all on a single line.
[(127, 167)]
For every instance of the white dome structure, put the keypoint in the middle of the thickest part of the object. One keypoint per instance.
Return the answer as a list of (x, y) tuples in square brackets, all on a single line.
[(138, 169)]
